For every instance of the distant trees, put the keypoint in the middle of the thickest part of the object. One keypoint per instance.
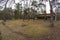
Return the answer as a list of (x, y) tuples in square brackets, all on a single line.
[(0, 14), (41, 6), (18, 11), (35, 3), (30, 13), (27, 13), (4, 3), (7, 15)]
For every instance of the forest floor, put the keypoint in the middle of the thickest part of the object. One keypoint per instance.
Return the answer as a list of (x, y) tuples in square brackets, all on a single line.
[(55, 33), (29, 30)]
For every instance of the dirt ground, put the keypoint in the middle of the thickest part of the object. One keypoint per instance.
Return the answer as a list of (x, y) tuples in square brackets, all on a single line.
[(29, 30), (55, 33)]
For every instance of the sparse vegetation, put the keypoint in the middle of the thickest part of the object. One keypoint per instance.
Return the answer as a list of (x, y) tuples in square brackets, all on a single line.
[(31, 29)]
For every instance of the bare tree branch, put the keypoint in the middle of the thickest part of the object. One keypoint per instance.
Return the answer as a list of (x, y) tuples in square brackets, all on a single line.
[(3, 3)]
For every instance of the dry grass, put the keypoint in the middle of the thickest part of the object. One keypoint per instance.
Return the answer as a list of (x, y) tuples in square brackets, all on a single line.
[(22, 30)]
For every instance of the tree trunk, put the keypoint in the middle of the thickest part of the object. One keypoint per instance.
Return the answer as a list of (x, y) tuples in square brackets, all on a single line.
[(52, 14), (4, 15)]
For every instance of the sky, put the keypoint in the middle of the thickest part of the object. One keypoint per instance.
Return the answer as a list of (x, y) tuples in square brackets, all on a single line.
[(47, 6)]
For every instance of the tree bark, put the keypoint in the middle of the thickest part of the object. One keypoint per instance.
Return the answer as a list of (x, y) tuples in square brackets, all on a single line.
[(52, 14)]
